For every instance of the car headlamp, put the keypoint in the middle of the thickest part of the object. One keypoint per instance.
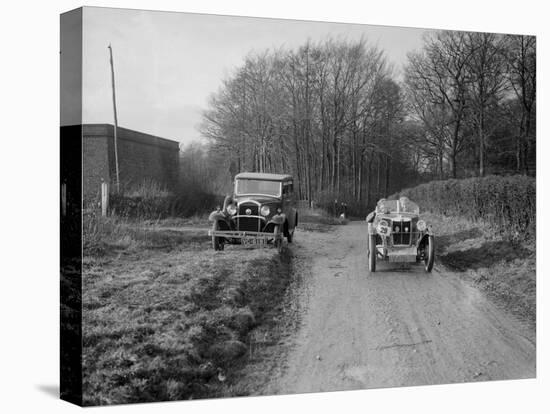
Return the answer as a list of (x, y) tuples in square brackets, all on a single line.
[(421, 225), (264, 211), (231, 209), (383, 228)]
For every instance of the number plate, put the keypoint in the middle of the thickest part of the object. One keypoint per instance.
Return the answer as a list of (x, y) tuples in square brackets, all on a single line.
[(253, 241), (402, 258)]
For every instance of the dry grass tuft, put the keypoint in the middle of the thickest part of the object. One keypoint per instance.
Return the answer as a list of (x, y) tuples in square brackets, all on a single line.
[(111, 235)]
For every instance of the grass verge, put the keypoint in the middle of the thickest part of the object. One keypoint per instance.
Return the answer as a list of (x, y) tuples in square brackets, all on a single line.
[(167, 318), (502, 267)]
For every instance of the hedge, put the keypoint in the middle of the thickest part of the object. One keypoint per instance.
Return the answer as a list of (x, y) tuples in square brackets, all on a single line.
[(159, 207), (507, 202)]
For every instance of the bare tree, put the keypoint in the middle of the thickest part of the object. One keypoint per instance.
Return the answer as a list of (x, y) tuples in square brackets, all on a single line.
[(440, 73), (487, 85), (521, 58)]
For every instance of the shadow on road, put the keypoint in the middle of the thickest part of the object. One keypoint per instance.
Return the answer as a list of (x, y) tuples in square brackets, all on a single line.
[(408, 270), (486, 255)]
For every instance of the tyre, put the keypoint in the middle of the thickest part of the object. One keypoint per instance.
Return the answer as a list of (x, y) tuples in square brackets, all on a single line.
[(290, 235), (430, 254), (278, 240), (217, 242), (372, 253)]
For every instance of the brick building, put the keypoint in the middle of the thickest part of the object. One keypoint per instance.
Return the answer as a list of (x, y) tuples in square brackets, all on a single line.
[(141, 157)]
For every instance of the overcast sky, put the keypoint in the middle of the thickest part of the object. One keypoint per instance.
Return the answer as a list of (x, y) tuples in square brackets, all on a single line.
[(168, 64)]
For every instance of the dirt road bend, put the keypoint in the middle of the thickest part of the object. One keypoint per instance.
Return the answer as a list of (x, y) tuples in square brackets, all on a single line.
[(395, 327)]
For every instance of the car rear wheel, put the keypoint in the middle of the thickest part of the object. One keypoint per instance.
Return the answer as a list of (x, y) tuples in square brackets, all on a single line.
[(217, 242), (430, 254), (278, 239), (372, 253)]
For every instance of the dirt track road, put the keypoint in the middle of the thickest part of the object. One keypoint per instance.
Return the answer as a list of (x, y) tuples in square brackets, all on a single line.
[(395, 327)]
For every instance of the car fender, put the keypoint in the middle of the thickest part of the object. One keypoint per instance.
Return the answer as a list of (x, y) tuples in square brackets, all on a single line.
[(224, 223), (371, 228), (217, 215), (424, 237), (278, 219)]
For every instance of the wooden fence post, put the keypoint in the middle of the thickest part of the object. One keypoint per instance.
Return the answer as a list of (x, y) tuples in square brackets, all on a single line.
[(104, 198)]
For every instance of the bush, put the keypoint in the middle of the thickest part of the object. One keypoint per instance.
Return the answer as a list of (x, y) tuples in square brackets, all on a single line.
[(101, 235), (150, 201), (509, 203)]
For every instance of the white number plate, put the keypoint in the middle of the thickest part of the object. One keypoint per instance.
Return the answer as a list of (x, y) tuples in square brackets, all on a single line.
[(253, 241), (402, 258)]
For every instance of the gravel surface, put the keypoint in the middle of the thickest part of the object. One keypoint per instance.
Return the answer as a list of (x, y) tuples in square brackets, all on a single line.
[(399, 326)]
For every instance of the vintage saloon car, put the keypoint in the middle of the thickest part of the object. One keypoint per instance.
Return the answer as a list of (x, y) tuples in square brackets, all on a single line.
[(261, 211), (396, 234)]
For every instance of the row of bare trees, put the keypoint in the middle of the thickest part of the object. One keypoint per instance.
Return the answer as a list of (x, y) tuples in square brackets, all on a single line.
[(474, 94), (335, 115), (327, 112)]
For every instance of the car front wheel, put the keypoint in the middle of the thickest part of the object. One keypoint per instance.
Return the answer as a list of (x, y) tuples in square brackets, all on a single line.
[(430, 254), (217, 242), (290, 235), (278, 239), (372, 253)]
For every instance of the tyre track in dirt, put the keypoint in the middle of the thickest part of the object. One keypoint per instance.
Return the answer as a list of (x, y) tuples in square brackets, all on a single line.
[(395, 327)]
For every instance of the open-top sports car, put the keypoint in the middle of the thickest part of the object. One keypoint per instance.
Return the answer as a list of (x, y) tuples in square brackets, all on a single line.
[(260, 212), (397, 234)]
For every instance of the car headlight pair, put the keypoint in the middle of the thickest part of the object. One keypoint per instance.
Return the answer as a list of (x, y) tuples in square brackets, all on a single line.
[(383, 227), (232, 210)]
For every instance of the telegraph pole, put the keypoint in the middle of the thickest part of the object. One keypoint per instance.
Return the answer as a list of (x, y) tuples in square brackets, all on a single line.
[(116, 119)]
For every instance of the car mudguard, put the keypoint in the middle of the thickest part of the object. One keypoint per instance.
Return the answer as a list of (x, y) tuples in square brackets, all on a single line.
[(278, 219), (216, 215), (370, 217), (423, 238), (371, 228), (220, 217)]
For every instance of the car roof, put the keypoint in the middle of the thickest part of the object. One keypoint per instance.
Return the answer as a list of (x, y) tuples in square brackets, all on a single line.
[(263, 176)]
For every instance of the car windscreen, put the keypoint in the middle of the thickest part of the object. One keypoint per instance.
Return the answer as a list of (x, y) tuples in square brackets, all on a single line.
[(397, 206), (407, 206), (258, 187), (386, 206)]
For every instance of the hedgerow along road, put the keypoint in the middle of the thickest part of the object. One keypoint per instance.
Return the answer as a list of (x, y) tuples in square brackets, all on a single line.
[(396, 327)]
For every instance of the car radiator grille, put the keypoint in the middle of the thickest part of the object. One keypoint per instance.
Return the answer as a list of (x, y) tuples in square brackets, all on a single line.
[(248, 224), (401, 232)]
